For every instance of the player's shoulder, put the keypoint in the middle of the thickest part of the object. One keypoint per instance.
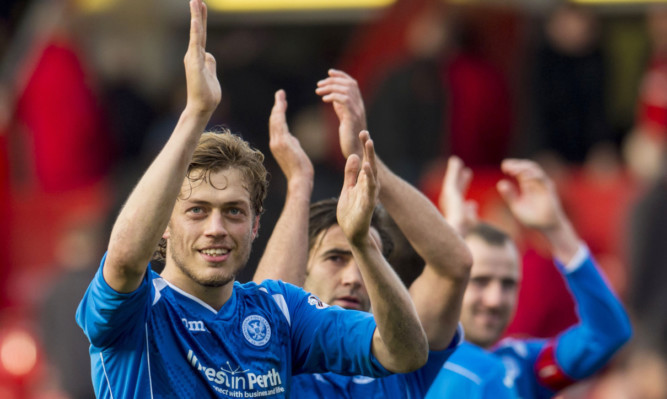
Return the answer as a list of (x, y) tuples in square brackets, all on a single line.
[(272, 287), (284, 294), (471, 355), (470, 364), (523, 348)]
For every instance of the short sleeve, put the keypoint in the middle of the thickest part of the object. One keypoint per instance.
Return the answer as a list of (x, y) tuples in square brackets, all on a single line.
[(106, 315), (329, 338), (424, 377)]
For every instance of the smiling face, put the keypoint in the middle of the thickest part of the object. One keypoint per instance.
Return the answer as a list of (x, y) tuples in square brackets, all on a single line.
[(333, 274), (210, 232), (491, 296)]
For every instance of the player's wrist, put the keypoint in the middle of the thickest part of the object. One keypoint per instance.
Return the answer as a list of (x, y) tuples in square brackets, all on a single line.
[(197, 112)]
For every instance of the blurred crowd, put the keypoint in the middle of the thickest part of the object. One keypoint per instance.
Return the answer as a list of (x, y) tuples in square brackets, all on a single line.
[(88, 96)]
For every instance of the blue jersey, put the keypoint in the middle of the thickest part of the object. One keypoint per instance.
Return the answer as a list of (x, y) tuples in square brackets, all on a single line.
[(399, 386), (471, 373), (161, 342), (538, 368), (541, 367)]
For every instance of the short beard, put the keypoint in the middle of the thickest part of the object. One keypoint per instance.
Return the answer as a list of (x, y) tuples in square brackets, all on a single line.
[(210, 282)]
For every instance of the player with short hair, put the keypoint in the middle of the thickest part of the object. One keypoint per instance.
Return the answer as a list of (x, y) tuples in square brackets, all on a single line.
[(534, 368), (328, 268), (193, 331)]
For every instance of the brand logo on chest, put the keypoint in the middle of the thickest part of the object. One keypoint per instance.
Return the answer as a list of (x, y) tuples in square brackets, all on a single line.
[(194, 325)]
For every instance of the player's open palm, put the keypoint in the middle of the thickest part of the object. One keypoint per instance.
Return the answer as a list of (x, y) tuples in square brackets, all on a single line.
[(359, 194), (459, 212), (286, 149), (342, 91), (203, 88), (534, 201)]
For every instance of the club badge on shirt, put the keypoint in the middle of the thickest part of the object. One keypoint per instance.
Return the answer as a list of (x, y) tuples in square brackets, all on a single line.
[(256, 330)]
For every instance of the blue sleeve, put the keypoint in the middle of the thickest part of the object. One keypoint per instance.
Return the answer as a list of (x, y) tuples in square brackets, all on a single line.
[(472, 373), (495, 387), (106, 315), (423, 378), (329, 338), (583, 349), (603, 324)]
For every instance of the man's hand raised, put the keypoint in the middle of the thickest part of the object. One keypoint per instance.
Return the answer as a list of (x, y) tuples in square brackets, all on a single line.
[(459, 212), (204, 91), (342, 91), (286, 149), (360, 192)]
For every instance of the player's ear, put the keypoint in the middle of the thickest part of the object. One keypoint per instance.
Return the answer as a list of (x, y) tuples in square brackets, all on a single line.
[(255, 227), (166, 233)]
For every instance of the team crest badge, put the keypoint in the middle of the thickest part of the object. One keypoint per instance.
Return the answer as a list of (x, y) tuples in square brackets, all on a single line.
[(256, 330)]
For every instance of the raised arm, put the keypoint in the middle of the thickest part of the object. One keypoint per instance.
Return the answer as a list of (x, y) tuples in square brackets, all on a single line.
[(144, 217), (399, 342), (459, 212), (603, 324), (286, 254), (438, 291), (535, 204)]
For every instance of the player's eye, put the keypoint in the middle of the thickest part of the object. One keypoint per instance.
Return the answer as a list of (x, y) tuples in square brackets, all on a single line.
[(235, 212), (480, 281)]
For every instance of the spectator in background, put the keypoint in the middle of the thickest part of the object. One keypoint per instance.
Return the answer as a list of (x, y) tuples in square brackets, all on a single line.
[(407, 107), (66, 346), (568, 89), (647, 295), (535, 368), (59, 108), (430, 87), (646, 155), (646, 144), (645, 152)]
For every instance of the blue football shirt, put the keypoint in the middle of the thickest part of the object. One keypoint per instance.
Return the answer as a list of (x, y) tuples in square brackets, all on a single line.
[(538, 368), (400, 386), (472, 373), (161, 342)]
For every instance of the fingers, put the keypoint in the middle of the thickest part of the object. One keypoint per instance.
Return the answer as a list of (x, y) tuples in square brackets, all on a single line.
[(470, 209), (197, 35), (279, 107), (522, 169), (277, 120), (454, 166), (352, 166), (508, 191), (457, 177), (204, 13), (337, 82), (338, 73), (334, 84), (368, 151), (337, 77), (335, 98), (210, 63)]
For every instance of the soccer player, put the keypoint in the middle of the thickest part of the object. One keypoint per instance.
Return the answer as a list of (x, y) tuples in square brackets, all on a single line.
[(329, 268), (193, 332), (535, 368)]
